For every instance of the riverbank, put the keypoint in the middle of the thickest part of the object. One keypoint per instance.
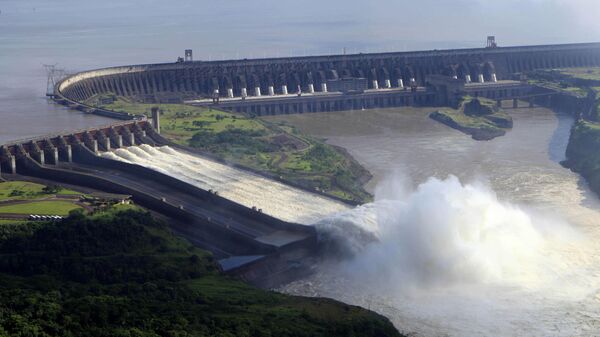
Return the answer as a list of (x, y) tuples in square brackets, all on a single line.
[(582, 152), (123, 273), (583, 155), (273, 148), (477, 117)]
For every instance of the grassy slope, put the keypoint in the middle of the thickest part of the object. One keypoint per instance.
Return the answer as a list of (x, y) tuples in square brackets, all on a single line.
[(582, 73), (125, 274), (11, 222), (53, 207), (569, 80), (32, 193), (559, 86), (26, 190), (273, 148)]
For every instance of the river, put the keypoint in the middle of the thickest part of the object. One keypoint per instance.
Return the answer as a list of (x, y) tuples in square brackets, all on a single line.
[(513, 249)]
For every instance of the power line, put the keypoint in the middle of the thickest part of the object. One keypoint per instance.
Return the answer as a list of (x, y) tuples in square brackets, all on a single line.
[(54, 76)]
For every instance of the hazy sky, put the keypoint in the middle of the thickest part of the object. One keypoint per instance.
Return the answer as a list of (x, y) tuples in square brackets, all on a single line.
[(154, 30)]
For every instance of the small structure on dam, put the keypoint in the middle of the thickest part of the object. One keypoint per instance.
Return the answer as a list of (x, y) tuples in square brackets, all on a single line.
[(156, 119)]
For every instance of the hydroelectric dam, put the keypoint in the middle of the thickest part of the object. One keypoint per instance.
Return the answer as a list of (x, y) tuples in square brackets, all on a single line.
[(327, 83), (257, 226)]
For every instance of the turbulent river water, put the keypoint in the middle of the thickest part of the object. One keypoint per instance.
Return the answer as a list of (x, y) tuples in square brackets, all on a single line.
[(465, 238)]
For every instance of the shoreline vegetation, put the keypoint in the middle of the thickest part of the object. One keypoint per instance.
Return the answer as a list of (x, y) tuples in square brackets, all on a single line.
[(273, 148), (18, 199), (583, 154), (124, 274), (478, 117)]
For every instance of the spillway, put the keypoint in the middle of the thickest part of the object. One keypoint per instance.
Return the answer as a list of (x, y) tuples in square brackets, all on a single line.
[(251, 190)]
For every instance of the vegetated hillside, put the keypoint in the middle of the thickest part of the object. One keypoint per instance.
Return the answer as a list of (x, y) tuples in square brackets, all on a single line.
[(252, 142), (583, 152), (568, 80), (125, 274), (584, 83)]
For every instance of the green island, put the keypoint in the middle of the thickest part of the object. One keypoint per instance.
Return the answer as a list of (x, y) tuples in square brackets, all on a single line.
[(122, 273), (276, 149), (478, 117)]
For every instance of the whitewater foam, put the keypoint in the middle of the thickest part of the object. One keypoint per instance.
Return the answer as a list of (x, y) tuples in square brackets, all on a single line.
[(449, 233), (452, 259), (246, 188)]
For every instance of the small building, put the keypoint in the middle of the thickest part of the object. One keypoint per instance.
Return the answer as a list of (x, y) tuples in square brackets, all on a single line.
[(105, 100), (348, 85), (448, 90)]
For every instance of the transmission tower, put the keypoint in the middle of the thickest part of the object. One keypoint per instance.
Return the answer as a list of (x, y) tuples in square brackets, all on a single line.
[(54, 75)]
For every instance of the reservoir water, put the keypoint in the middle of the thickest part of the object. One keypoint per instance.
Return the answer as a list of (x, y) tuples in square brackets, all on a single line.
[(79, 35), (510, 247)]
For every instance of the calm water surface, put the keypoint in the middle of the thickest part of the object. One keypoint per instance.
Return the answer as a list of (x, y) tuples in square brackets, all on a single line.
[(79, 35)]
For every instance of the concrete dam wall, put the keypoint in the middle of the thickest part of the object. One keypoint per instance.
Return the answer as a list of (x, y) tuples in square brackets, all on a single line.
[(176, 82)]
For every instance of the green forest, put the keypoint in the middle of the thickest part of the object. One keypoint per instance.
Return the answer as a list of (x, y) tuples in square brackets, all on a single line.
[(124, 274)]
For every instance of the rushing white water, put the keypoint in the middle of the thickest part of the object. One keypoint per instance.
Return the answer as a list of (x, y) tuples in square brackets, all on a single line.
[(276, 199), (515, 252), (451, 259), (447, 233)]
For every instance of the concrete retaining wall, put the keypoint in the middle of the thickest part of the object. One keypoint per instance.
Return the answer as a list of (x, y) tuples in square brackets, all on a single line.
[(235, 242), (85, 156)]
